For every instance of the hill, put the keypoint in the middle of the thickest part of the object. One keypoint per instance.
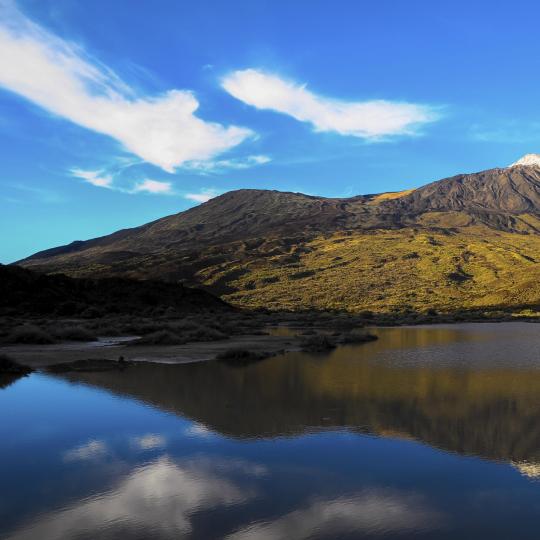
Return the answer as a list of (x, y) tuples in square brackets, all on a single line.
[(23, 292), (470, 241)]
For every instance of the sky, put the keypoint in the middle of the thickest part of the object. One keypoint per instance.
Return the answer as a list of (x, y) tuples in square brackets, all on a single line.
[(114, 113)]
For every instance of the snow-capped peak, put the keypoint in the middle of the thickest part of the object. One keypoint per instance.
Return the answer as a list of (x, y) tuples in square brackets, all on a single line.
[(528, 160)]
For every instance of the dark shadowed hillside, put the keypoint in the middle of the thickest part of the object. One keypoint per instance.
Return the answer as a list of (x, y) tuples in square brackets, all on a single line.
[(25, 292)]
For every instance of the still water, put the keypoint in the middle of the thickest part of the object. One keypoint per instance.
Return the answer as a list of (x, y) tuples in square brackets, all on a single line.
[(430, 432)]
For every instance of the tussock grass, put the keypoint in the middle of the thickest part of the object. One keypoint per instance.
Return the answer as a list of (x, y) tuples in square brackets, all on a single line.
[(73, 333), (354, 337), (318, 343), (239, 356), (30, 334), (394, 271)]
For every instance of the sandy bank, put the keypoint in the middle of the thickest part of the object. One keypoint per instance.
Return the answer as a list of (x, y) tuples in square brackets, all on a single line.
[(109, 348)]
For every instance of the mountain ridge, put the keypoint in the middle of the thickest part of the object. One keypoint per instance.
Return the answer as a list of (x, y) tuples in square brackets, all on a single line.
[(250, 232), (430, 197)]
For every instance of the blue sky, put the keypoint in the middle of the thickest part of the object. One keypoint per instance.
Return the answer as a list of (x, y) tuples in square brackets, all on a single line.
[(115, 113)]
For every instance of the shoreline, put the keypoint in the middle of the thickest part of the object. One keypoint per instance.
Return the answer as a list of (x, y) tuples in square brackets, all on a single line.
[(277, 339)]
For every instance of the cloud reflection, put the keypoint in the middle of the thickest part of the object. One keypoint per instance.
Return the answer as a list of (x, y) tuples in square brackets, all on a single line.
[(372, 512), (150, 441), (158, 498), (93, 449)]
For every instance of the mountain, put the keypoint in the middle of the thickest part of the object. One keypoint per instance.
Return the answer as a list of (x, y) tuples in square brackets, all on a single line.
[(462, 242)]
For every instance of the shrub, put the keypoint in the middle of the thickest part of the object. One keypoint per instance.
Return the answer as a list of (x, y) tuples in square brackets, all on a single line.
[(358, 338), (240, 356), (318, 343), (28, 333), (74, 333), (205, 333)]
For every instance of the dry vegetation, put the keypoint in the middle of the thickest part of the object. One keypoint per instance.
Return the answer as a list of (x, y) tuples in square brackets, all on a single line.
[(397, 271), (151, 330)]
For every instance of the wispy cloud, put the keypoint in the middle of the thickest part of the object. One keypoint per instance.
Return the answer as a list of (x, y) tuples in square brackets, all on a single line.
[(506, 132), (63, 79), (43, 195), (366, 119), (103, 179), (203, 196), (96, 178), (153, 186), (224, 165)]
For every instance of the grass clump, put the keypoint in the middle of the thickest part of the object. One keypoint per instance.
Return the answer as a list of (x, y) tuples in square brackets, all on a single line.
[(239, 356), (318, 343), (476, 268), (74, 333), (354, 337), (205, 333), (29, 334)]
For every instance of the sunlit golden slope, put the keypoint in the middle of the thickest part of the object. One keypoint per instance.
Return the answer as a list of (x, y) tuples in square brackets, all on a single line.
[(392, 270)]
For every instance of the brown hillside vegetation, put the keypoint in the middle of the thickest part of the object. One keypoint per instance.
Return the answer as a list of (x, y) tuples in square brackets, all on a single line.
[(392, 271)]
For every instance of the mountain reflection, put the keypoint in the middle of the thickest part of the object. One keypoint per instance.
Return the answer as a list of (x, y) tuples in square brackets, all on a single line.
[(7, 379), (490, 411)]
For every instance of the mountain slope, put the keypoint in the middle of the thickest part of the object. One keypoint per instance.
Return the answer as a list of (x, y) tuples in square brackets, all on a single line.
[(469, 240)]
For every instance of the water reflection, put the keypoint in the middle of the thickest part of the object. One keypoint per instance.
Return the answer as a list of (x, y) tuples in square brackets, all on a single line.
[(369, 513), (293, 447), (154, 500), (161, 500), (7, 379), (486, 409)]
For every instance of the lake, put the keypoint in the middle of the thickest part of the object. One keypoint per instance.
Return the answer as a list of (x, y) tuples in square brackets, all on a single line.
[(429, 432)]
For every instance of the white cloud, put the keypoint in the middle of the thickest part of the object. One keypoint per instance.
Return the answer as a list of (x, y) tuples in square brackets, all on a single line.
[(61, 78), (91, 450), (96, 178), (366, 119), (153, 186), (223, 165), (202, 197), (106, 180)]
